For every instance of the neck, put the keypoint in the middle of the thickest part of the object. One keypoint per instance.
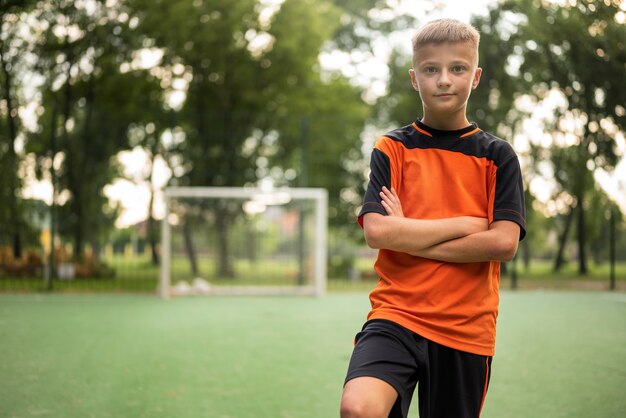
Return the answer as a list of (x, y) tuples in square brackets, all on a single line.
[(449, 123)]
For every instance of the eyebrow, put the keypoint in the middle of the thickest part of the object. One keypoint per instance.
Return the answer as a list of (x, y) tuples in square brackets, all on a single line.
[(455, 62)]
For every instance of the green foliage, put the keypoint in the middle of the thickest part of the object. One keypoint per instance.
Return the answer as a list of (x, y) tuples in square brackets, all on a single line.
[(88, 105), (535, 48), (402, 105), (491, 105), (13, 226), (364, 21), (257, 104), (581, 51), (578, 50)]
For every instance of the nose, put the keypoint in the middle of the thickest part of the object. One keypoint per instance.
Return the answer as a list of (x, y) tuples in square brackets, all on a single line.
[(444, 79)]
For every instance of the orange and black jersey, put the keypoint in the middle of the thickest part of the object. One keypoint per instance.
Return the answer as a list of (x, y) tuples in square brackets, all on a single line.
[(443, 174)]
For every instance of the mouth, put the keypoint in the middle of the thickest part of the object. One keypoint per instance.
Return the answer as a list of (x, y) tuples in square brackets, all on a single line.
[(444, 95)]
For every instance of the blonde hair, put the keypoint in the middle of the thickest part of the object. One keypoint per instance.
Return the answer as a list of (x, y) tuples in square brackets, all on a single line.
[(445, 30)]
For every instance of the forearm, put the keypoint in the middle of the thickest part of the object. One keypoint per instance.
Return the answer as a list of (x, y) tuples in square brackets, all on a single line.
[(412, 235), (456, 240), (499, 243)]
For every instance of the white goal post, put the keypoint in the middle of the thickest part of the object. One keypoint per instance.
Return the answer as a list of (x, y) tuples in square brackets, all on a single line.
[(247, 205)]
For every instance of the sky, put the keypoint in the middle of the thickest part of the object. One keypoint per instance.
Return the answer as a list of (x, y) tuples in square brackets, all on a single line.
[(133, 193)]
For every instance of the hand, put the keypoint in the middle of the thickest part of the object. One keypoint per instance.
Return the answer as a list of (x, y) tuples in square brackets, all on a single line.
[(391, 202)]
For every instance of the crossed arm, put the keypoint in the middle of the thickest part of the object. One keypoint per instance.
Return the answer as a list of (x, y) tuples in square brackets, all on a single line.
[(462, 239)]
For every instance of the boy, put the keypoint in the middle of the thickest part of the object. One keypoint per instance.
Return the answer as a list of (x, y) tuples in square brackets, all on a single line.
[(444, 206)]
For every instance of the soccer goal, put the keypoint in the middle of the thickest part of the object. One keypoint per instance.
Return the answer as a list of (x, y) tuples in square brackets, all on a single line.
[(242, 241)]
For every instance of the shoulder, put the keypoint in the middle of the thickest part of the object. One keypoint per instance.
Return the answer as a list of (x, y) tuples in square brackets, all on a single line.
[(493, 148), (395, 138), (400, 134)]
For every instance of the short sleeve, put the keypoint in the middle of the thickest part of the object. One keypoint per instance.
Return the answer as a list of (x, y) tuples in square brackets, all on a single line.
[(380, 175), (509, 195)]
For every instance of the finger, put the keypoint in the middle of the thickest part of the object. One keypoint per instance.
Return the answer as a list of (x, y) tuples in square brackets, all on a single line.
[(387, 200), (389, 193), (385, 194), (388, 206), (389, 209)]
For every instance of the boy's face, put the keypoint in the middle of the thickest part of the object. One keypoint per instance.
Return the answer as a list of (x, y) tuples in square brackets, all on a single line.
[(444, 75)]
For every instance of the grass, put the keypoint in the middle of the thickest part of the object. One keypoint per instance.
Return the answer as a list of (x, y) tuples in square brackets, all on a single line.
[(559, 354), (543, 270)]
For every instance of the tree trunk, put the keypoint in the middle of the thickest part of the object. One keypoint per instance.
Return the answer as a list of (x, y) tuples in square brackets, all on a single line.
[(88, 230), (66, 148), (582, 239), (224, 267), (189, 247), (96, 250), (152, 236), (559, 260), (53, 205), (514, 273), (79, 238), (251, 245), (612, 250), (526, 254), (12, 162)]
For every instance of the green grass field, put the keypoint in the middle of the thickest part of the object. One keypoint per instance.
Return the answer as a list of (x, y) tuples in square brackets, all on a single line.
[(559, 354)]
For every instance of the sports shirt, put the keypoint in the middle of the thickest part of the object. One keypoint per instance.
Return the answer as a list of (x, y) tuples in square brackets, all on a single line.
[(443, 174)]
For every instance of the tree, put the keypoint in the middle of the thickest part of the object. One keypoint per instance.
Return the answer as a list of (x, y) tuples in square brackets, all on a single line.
[(12, 48), (89, 104), (402, 104), (492, 104), (577, 50), (148, 133), (254, 93)]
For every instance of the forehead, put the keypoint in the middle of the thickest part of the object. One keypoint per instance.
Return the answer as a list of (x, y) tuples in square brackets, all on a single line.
[(446, 52)]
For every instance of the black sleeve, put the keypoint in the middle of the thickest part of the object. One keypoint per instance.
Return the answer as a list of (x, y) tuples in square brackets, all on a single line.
[(380, 175), (509, 196)]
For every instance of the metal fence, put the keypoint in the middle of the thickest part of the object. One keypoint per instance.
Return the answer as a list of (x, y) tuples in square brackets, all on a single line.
[(130, 268)]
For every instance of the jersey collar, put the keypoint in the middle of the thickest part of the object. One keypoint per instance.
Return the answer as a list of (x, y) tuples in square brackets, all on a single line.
[(436, 133)]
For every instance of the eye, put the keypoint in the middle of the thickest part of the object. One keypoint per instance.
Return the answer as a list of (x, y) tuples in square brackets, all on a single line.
[(430, 70), (458, 68)]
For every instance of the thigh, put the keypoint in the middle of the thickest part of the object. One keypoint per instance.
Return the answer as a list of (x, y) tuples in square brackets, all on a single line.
[(368, 397), (453, 384), (383, 368)]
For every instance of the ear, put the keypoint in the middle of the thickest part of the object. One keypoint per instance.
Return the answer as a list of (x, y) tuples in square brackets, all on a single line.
[(476, 80), (414, 80)]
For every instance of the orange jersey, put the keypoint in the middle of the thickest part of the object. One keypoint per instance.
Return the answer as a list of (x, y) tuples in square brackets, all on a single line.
[(443, 174)]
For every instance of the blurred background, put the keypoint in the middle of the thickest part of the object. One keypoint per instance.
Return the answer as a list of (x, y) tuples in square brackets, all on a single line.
[(103, 104)]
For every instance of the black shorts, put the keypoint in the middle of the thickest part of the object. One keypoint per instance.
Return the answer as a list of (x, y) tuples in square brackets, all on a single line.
[(452, 383)]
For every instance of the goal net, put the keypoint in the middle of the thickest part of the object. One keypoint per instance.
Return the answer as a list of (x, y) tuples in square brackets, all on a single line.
[(218, 240)]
